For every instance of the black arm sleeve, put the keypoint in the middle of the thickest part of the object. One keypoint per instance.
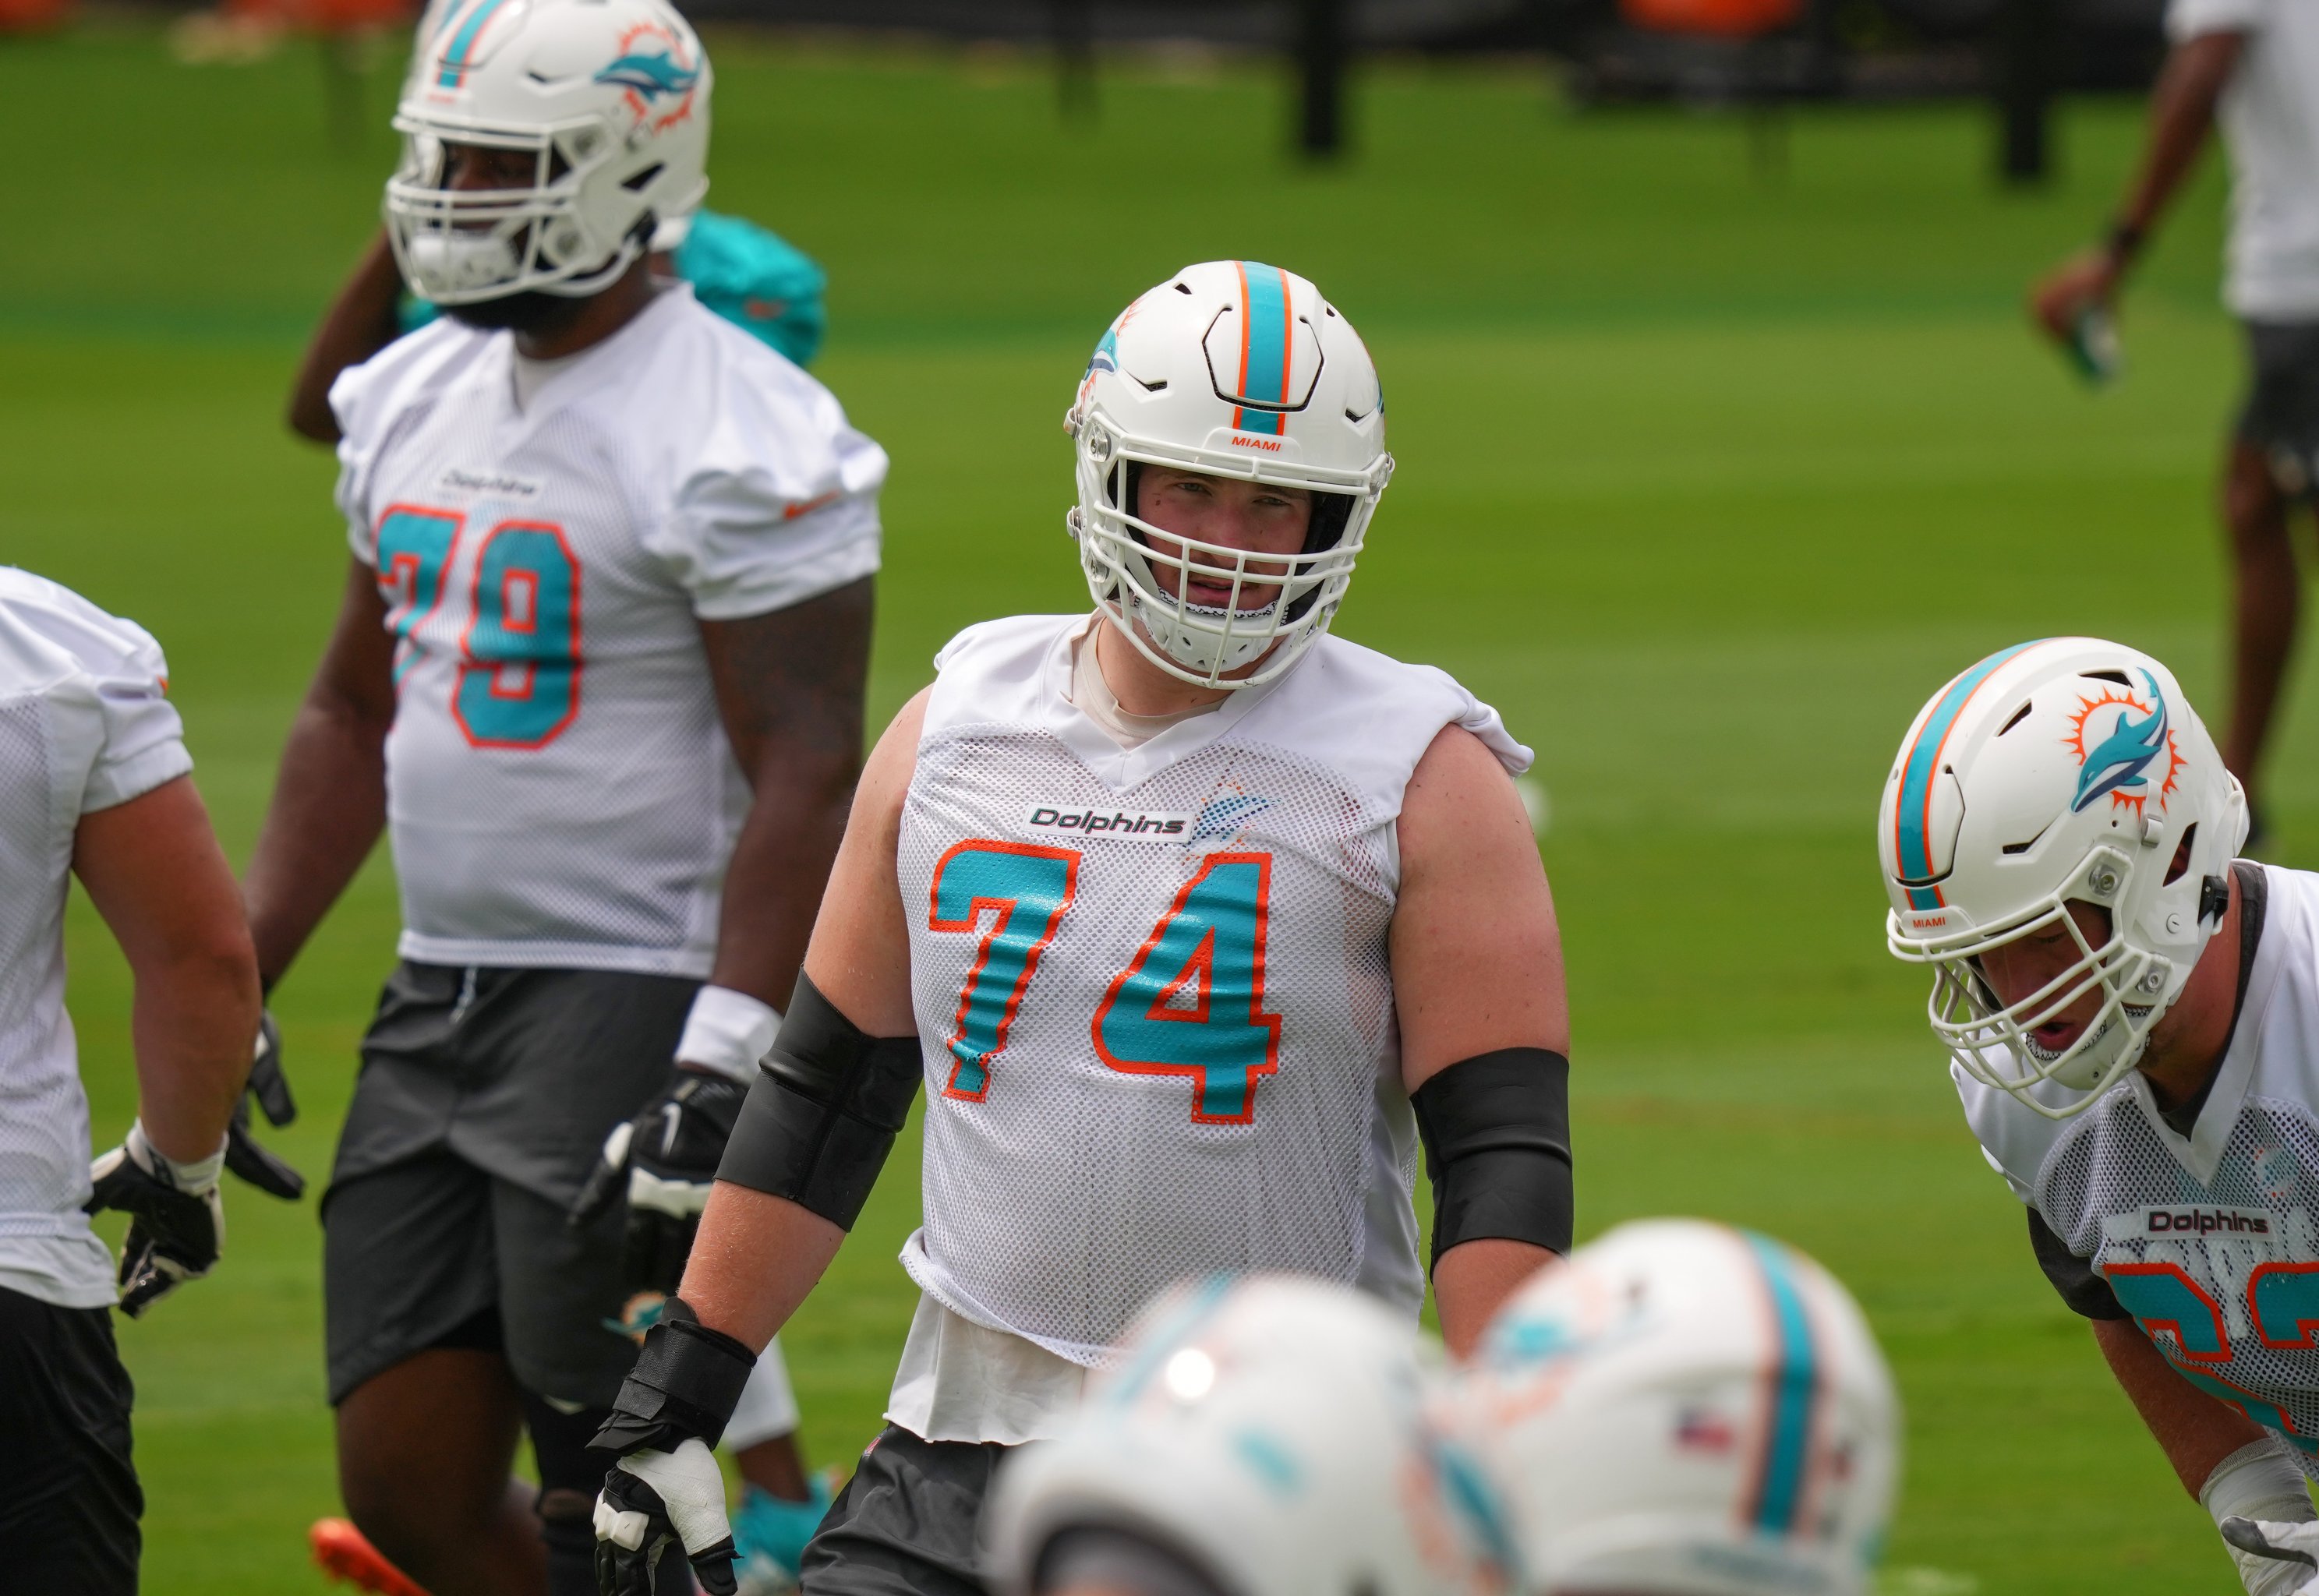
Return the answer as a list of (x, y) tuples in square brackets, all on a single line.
[(2080, 1285), (823, 1113), (1496, 1130)]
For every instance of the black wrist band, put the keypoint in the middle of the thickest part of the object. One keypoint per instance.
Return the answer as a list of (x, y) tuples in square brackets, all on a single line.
[(2124, 241), (684, 1386)]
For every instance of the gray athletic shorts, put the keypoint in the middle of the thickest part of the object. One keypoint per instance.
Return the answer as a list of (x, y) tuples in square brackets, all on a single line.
[(906, 1524), (2281, 417), (484, 1098)]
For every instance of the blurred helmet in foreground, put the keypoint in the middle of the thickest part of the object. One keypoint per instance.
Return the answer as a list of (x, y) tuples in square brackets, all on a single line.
[(608, 99), (2067, 769), (1274, 1434), (1682, 1409), (1237, 369)]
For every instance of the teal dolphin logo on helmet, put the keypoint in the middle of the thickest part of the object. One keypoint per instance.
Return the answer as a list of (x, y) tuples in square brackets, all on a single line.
[(1107, 352), (650, 76), (2117, 762)]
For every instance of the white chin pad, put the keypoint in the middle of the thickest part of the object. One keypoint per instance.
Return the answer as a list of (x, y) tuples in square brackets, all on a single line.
[(2110, 1038), (1210, 638), (459, 262)]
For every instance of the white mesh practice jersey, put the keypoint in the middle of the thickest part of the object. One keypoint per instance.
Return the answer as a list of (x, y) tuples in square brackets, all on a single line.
[(2209, 1241), (1151, 984), (559, 786), (82, 726)]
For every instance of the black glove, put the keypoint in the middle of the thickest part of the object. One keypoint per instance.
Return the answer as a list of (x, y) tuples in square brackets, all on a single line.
[(665, 1161), (666, 1490), (244, 1155), (178, 1225), (654, 1502)]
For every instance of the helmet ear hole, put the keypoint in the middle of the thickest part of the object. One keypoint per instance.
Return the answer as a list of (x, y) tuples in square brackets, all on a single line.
[(2182, 865)]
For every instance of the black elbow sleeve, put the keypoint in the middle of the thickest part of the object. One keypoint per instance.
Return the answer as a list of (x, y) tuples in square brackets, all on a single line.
[(1496, 1130), (824, 1111)]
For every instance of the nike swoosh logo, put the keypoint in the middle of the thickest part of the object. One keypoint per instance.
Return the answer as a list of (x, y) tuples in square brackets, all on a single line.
[(790, 513)]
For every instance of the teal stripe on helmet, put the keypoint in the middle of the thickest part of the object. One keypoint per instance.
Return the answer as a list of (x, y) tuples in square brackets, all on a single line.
[(1910, 853), (1794, 1378), (463, 43), (1264, 363)]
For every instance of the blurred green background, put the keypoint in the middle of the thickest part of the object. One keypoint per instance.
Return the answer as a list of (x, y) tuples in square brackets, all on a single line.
[(1707, 477)]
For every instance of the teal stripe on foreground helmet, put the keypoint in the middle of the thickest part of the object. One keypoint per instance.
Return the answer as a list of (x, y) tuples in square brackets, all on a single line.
[(1682, 1407)]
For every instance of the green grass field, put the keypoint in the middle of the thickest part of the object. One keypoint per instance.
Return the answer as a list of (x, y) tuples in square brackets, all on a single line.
[(1706, 480)]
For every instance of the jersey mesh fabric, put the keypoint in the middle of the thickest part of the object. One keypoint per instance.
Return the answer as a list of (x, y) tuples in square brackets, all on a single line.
[(1070, 1191), (560, 790), (2108, 1183), (43, 1116), (83, 725)]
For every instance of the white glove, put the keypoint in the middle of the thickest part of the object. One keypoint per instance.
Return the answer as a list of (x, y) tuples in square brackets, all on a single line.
[(651, 1498), (2274, 1559), (2258, 1502)]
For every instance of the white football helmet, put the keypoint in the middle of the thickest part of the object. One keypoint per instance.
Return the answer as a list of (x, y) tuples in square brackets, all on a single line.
[(1682, 1409), (609, 97), (1242, 370), (1276, 1434), (2066, 769)]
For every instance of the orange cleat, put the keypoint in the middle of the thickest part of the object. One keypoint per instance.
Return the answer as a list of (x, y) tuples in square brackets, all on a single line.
[(342, 1552)]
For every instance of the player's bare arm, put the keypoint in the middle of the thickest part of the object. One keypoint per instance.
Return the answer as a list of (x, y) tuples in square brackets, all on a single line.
[(1477, 969), (759, 1255), (329, 795), (363, 319), (859, 954), (790, 688), (2181, 113), (2194, 1430), (154, 870)]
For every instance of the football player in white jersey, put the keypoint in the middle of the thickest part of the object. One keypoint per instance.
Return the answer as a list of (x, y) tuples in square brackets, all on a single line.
[(598, 668), (2132, 1016), (95, 782), (1194, 919)]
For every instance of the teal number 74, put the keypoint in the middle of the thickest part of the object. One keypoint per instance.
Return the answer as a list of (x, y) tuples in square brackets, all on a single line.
[(1190, 1003)]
